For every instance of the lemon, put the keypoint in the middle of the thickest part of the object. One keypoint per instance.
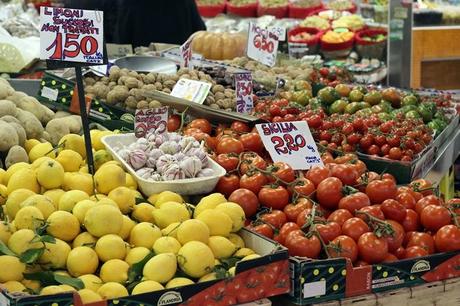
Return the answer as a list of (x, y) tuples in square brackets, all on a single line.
[(63, 225), (51, 290), (5, 232), (73, 142), (91, 282), (107, 201), (143, 212), (50, 174), (113, 163), (3, 176), (110, 247), (209, 202), (178, 282), (21, 241), (80, 209), (219, 223), (55, 254), (63, 273), (235, 212), (13, 286), (147, 286), (78, 181), (114, 270), (170, 212), (166, 245), (153, 198), (54, 195), (13, 169), (193, 230), (70, 160), (221, 247), (38, 162), (136, 255), (82, 260), (40, 150), (43, 203), (96, 139), (196, 259), (30, 143), (232, 271), (109, 177), (208, 277), (161, 268), (127, 227), (167, 196), (31, 284), (70, 198), (131, 182), (101, 157), (23, 178), (97, 197), (13, 203), (250, 257), (102, 220), (243, 252), (236, 240), (144, 234), (171, 230), (12, 269), (88, 296), (67, 288), (124, 197), (84, 239), (112, 290), (29, 217), (3, 194)]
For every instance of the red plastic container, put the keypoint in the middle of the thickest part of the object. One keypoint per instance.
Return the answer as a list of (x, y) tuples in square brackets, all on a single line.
[(249, 10), (370, 32), (337, 46), (302, 12), (278, 12), (352, 9), (313, 41), (210, 11)]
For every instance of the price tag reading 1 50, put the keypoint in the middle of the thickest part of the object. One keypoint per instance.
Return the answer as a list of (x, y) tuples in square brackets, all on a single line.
[(262, 45), (290, 142)]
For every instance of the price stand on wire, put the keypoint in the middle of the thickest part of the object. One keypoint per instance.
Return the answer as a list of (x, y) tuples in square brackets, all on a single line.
[(243, 88), (290, 142), (262, 45)]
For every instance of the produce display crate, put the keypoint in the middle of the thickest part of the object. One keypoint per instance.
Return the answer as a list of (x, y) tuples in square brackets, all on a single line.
[(314, 281), (65, 299)]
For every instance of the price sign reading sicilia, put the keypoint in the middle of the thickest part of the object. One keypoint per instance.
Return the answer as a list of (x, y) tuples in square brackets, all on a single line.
[(290, 142), (71, 35)]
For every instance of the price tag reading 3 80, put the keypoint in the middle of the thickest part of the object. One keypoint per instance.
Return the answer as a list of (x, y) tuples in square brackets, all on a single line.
[(290, 142), (71, 35), (262, 45), (243, 88)]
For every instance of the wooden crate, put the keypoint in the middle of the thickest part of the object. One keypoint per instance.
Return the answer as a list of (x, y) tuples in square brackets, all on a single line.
[(398, 297), (362, 300), (451, 295), (427, 294)]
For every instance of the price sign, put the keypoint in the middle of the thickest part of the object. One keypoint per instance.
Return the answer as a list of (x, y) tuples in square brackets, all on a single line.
[(71, 35), (262, 45), (290, 142), (297, 50), (191, 90), (117, 50), (243, 88), (186, 53), (280, 32), (153, 119)]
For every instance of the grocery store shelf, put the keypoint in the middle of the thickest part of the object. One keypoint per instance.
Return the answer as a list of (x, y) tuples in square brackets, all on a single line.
[(434, 28)]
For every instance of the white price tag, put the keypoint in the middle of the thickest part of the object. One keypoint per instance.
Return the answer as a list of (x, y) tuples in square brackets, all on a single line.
[(186, 53), (50, 93), (153, 119), (191, 90), (314, 289), (117, 50), (71, 35), (262, 45), (243, 88), (290, 142), (297, 50), (280, 32)]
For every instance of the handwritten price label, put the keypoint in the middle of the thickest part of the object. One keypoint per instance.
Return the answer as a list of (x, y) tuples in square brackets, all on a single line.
[(290, 142), (191, 90), (153, 119), (243, 88), (186, 53), (71, 35), (262, 45)]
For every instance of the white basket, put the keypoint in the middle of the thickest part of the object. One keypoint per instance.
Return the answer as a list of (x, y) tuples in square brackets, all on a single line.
[(191, 186)]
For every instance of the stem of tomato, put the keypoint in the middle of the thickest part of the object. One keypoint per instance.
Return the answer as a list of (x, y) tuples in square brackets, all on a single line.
[(381, 228), (454, 216), (182, 119)]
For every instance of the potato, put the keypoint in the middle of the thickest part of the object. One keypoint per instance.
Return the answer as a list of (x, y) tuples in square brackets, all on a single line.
[(32, 105), (131, 102), (16, 97), (154, 104), (57, 128), (114, 73), (142, 105), (5, 90), (7, 108), (47, 114), (90, 81), (9, 119), (101, 91), (22, 136), (30, 123), (61, 114), (131, 82), (16, 154), (8, 137), (75, 124)]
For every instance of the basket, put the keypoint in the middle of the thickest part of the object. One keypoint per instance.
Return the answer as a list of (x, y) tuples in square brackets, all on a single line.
[(313, 44), (336, 50), (248, 10), (302, 12), (278, 12), (210, 11), (370, 49)]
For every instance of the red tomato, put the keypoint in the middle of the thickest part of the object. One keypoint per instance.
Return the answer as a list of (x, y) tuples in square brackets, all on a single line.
[(414, 252), (346, 173), (253, 181), (274, 197), (173, 123), (262, 229), (343, 246), (250, 161), (396, 240), (406, 199), (447, 238), (428, 200), (305, 215), (252, 142), (228, 184), (282, 171), (246, 199), (434, 217), (285, 230), (303, 187), (423, 186), (317, 174), (329, 231), (228, 161), (354, 228), (390, 258), (229, 144), (411, 221), (374, 211), (329, 192), (381, 190), (393, 210), (275, 217), (293, 210), (354, 202), (423, 240), (372, 249), (300, 245), (400, 253), (240, 127), (201, 124), (340, 216)]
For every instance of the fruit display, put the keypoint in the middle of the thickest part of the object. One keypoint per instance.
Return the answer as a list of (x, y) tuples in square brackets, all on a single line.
[(301, 37), (315, 22), (352, 22), (273, 3), (210, 2), (305, 3), (376, 38), (340, 5), (219, 46), (334, 37), (241, 2)]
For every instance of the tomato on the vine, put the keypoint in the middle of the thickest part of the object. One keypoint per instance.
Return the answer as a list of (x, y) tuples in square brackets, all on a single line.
[(423, 240), (381, 190), (282, 171), (293, 210), (276, 218), (228, 161), (373, 210), (447, 238), (433, 217), (228, 184), (354, 202), (174, 123), (372, 249), (285, 230), (393, 210), (252, 142), (247, 199), (303, 187), (346, 173), (411, 221), (343, 246), (329, 231), (253, 181), (406, 199), (250, 161), (317, 174), (240, 127), (395, 241), (340, 216), (301, 245), (329, 192), (201, 124), (354, 228), (262, 229), (229, 144), (276, 197)]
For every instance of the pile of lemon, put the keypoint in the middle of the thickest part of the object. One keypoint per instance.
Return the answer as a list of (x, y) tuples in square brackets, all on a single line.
[(101, 231)]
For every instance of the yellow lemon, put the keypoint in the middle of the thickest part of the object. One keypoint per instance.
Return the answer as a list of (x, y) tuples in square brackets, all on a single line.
[(3, 176), (110, 247), (170, 212), (161, 268), (12, 269), (73, 142), (114, 270), (82, 260), (31, 284), (144, 234), (193, 230), (153, 198), (209, 202), (131, 182), (23, 179), (40, 150), (112, 290), (13, 169), (171, 230), (70, 160), (15, 199), (136, 255), (23, 240), (69, 199), (96, 139), (80, 209), (166, 245), (250, 257), (236, 240), (55, 255), (243, 252), (78, 181), (63, 225), (101, 157), (13, 286), (5, 232), (102, 220), (38, 162), (208, 277), (107, 201), (221, 247), (43, 203), (84, 239), (50, 174), (127, 227), (143, 212), (219, 223), (147, 286), (91, 282), (54, 195), (235, 212), (30, 143), (29, 217), (3, 194), (108, 178), (167, 196), (51, 290), (124, 197), (196, 259), (178, 282), (88, 296)]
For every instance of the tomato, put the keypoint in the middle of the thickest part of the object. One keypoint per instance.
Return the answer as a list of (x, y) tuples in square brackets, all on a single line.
[(246, 199), (388, 176), (285, 230), (340, 216), (393, 210), (423, 240), (428, 200), (282, 171), (329, 192), (227, 184), (411, 221), (390, 258), (396, 240), (293, 210), (414, 252), (395, 153), (300, 245), (354, 228), (252, 142), (275, 217), (346, 173), (228, 161), (343, 246), (240, 127), (274, 197), (360, 166), (262, 229), (354, 202), (305, 215), (229, 145), (381, 190), (253, 181), (201, 124), (422, 185), (329, 231), (317, 174), (174, 123), (433, 217), (250, 161), (374, 211), (372, 249), (303, 187), (406, 199), (447, 238)]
